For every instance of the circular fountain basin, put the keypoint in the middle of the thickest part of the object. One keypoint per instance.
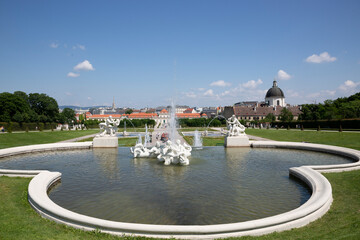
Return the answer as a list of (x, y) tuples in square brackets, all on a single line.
[(220, 186), (316, 206)]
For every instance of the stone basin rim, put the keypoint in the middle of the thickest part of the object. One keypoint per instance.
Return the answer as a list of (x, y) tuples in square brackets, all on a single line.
[(316, 206)]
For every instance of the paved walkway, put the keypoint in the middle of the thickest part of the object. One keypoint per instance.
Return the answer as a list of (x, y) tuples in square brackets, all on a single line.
[(79, 138), (251, 137)]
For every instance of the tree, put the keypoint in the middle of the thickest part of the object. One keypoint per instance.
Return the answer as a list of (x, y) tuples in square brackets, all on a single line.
[(286, 115), (10, 104), (42, 104), (128, 111), (68, 115), (270, 118)]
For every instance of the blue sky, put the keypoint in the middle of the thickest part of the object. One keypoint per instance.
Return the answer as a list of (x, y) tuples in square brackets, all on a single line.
[(199, 53)]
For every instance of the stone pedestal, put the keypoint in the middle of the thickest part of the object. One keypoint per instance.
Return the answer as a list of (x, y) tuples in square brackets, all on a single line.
[(105, 142), (237, 141)]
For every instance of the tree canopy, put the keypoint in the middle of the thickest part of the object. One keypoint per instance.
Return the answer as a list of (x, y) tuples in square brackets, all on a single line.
[(35, 107), (341, 108)]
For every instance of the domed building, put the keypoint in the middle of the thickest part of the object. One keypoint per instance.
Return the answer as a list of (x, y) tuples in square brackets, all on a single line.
[(275, 96)]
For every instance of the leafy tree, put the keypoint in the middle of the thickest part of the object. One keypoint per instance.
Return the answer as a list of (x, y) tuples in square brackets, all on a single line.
[(128, 111), (270, 118), (286, 115), (18, 117), (10, 104), (338, 109), (22, 95), (68, 115), (42, 104)]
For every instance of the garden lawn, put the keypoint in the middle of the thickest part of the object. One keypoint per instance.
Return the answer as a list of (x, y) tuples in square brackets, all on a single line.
[(28, 138), (343, 139)]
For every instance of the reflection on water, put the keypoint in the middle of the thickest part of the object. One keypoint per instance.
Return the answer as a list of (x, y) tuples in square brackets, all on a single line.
[(220, 185), (107, 158)]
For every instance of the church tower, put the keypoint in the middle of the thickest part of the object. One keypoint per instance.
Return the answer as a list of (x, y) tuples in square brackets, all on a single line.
[(113, 105)]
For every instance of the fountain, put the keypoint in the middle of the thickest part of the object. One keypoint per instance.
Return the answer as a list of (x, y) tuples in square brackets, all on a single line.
[(124, 132), (173, 152), (197, 140)]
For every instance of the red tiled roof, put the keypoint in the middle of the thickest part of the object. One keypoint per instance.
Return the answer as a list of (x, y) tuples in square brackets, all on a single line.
[(142, 115), (164, 111), (188, 115)]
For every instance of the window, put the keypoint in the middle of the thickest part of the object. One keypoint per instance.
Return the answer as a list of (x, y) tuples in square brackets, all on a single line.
[(278, 102)]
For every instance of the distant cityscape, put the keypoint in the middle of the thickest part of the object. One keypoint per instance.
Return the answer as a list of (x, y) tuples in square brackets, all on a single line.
[(274, 103)]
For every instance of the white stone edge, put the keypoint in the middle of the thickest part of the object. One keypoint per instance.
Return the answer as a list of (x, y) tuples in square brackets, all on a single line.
[(318, 204), (37, 148)]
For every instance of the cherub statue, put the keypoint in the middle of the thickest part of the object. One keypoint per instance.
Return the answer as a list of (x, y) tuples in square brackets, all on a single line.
[(235, 128), (140, 151), (109, 127)]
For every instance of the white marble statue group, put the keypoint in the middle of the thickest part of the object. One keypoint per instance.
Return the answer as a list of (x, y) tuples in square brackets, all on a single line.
[(109, 127), (170, 153), (235, 128)]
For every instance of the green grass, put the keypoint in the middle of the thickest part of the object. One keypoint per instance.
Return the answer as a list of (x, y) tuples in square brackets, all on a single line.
[(127, 142), (207, 141), (131, 129), (194, 129), (20, 139), (344, 139)]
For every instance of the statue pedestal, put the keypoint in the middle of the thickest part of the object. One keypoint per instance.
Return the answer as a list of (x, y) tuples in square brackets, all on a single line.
[(237, 141), (105, 142)]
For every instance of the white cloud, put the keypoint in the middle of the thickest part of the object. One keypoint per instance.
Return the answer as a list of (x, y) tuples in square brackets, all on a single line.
[(209, 93), (74, 75), (54, 45), (82, 47), (201, 89), (68, 94), (252, 84), (292, 93), (349, 86), (84, 66), (225, 93), (323, 57), (282, 75), (89, 98), (220, 83), (190, 94)]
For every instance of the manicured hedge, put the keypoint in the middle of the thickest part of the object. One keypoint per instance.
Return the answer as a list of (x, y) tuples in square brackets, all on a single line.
[(14, 126)]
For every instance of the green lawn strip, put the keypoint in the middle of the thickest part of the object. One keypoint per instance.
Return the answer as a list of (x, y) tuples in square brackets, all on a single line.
[(130, 129), (344, 139), (207, 141), (28, 138), (127, 142), (194, 129)]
